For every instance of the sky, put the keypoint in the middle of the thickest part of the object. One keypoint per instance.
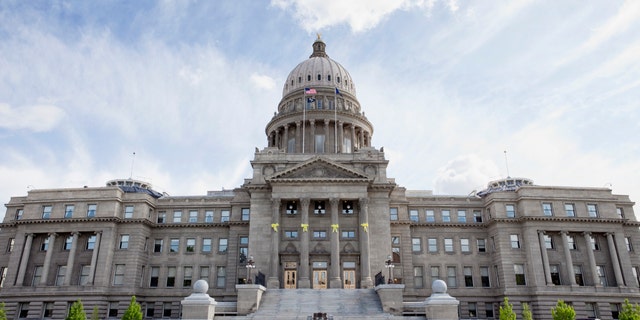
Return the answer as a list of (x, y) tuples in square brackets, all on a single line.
[(178, 93)]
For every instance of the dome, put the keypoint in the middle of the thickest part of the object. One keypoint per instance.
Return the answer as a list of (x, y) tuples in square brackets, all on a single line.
[(317, 72)]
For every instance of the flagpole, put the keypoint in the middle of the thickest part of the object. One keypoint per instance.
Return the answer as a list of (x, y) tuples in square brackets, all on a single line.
[(335, 118)]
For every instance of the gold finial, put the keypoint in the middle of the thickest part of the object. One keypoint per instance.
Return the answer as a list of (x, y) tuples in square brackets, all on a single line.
[(319, 35)]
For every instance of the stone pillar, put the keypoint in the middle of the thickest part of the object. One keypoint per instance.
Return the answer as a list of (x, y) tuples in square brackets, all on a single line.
[(440, 305), (545, 258), (274, 279), (335, 279), (613, 251), (199, 305), (303, 281), (24, 260), (277, 133), (47, 259), (71, 258), (271, 139), (249, 297), (312, 137), (365, 263), (285, 137), (340, 136), (592, 260), (327, 143), (567, 258), (94, 258), (391, 298), (353, 138), (298, 137)]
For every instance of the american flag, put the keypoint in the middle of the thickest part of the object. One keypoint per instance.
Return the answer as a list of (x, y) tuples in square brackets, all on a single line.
[(310, 91)]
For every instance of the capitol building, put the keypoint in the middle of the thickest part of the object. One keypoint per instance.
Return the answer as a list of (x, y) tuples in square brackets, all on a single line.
[(319, 212)]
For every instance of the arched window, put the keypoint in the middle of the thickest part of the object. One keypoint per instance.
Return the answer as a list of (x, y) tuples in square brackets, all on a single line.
[(291, 82), (299, 79), (308, 77), (328, 77), (338, 79), (319, 77)]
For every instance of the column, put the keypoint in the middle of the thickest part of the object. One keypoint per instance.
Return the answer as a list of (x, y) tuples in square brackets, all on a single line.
[(24, 260), (312, 137), (365, 264), (298, 137), (303, 281), (327, 141), (94, 258), (353, 138), (47, 259), (277, 138), (340, 136), (286, 138), (335, 279), (274, 281), (71, 258), (545, 259), (592, 259), (567, 258), (615, 262)]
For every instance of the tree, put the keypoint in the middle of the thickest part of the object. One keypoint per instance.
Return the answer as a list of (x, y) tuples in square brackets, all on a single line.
[(76, 312), (506, 310), (526, 312), (133, 311), (563, 311), (3, 314), (95, 315), (629, 311)]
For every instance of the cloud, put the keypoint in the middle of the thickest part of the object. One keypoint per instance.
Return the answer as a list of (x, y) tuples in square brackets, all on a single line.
[(37, 118), (464, 173), (263, 81)]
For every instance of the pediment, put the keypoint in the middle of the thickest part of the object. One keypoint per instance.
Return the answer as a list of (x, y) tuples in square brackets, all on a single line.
[(318, 170)]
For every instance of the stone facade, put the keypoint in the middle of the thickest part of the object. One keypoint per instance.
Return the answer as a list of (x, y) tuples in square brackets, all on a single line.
[(319, 212)]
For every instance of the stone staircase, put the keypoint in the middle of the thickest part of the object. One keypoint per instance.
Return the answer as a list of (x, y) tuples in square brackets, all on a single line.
[(338, 304)]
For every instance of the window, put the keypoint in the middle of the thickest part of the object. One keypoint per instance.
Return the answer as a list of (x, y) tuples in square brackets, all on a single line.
[(174, 245), (113, 309), (319, 137), (292, 208), (446, 216), (515, 241), (473, 309), (451, 277), (577, 271), (11, 244), (150, 313), (569, 209), (60, 273), (430, 216), (548, 242), (620, 212), (45, 244), (511, 210), (291, 234), (319, 77), (47, 310), (484, 277), (187, 276), (37, 275), (3, 275), (448, 245), (488, 310), (433, 244), (68, 242), (244, 249), (435, 273), (166, 310), (482, 245), (592, 310), (416, 245), (204, 273), (245, 214), (348, 234), (547, 209), (346, 145), (157, 245), (395, 248), (206, 245), (124, 241), (468, 276), (221, 277), (519, 272), (154, 277), (91, 210), (193, 216), (615, 310), (319, 208), (222, 245), (393, 214), (594, 243), (572, 243), (128, 212), (84, 274), (19, 214), (627, 242), (592, 209), (555, 274), (23, 310), (68, 211), (319, 234), (497, 275), (208, 216), (171, 277), (477, 216), (191, 245), (418, 278), (162, 216), (46, 212), (118, 275), (464, 245), (224, 216), (413, 215), (177, 216), (462, 216), (602, 275)]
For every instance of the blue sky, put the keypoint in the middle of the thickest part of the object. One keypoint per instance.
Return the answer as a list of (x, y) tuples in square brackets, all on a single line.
[(190, 85)]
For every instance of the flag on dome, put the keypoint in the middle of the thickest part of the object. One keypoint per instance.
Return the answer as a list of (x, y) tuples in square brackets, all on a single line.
[(310, 91), (338, 92)]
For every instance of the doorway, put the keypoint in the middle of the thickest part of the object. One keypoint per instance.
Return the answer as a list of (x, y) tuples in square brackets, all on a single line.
[(290, 279), (319, 279), (349, 279)]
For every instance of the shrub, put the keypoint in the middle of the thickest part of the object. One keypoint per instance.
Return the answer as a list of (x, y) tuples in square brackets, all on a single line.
[(526, 312), (3, 314), (95, 315), (76, 312), (563, 311), (629, 311), (506, 310), (133, 311)]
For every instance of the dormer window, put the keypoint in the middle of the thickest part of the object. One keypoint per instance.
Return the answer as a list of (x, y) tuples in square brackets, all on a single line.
[(319, 77), (328, 77), (292, 208), (299, 79), (319, 207), (338, 79), (347, 207), (308, 77)]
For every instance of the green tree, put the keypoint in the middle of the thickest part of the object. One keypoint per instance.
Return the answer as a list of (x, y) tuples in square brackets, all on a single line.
[(95, 315), (526, 312), (76, 312), (629, 311), (506, 310), (3, 314), (563, 311), (133, 312)]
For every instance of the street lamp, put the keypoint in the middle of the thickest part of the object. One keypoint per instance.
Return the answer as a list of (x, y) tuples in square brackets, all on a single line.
[(389, 265), (250, 265)]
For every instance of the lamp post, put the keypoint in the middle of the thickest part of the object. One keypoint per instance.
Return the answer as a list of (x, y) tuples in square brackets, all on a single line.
[(250, 266), (389, 265)]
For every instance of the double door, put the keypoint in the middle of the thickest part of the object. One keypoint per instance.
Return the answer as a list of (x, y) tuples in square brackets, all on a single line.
[(319, 279)]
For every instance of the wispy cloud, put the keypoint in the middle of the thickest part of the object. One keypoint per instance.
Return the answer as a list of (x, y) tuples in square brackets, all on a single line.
[(37, 118)]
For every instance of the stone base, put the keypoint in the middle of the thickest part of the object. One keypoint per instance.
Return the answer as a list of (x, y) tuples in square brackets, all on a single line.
[(366, 283), (391, 298), (198, 306), (335, 283), (273, 283), (249, 297), (304, 283)]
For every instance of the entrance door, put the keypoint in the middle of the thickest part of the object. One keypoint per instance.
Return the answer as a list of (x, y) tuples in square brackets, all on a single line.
[(319, 279), (290, 279), (349, 279)]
